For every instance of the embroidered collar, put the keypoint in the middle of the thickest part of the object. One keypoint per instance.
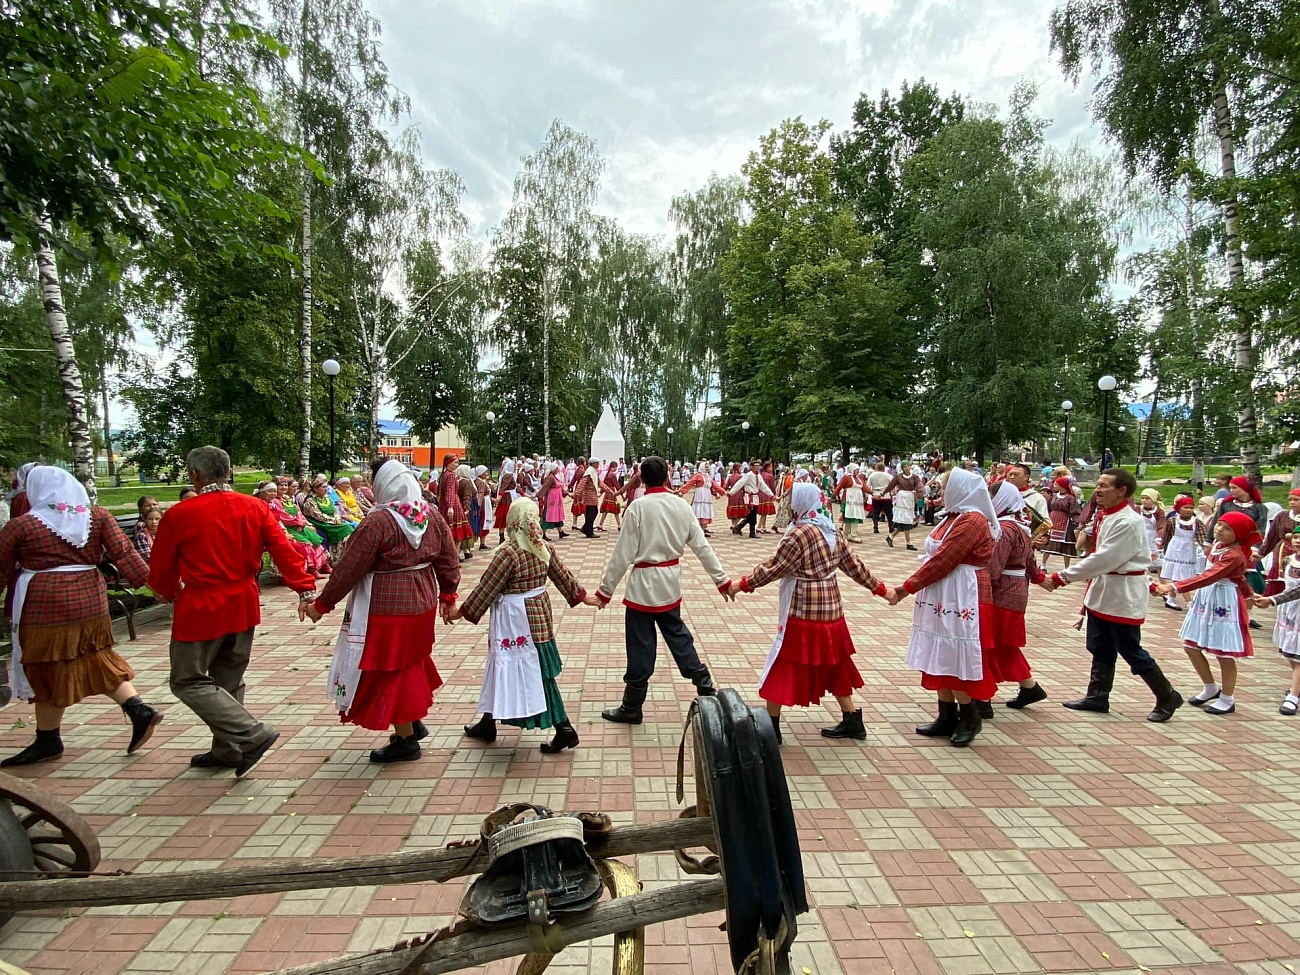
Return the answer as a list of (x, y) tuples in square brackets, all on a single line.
[(211, 488)]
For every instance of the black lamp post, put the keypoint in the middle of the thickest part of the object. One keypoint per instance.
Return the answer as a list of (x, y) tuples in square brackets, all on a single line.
[(745, 427), (492, 419), (670, 445), (332, 368), (1066, 407), (1106, 383), (573, 438)]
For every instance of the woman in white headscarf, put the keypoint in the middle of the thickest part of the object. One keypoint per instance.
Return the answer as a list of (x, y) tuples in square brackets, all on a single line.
[(551, 501), (483, 491), (813, 652), (519, 680), (62, 634), (1011, 569), (950, 619), (853, 511), (399, 565), (506, 491)]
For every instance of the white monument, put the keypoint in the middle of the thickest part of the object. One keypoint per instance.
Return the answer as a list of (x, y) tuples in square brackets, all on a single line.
[(607, 442)]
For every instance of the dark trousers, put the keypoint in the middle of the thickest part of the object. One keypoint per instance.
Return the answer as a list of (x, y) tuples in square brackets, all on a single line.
[(750, 520), (589, 521), (1107, 640), (642, 648), (882, 507), (207, 676)]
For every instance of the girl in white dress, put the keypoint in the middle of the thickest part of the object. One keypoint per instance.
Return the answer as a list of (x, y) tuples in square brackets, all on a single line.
[(1183, 541), (1286, 631)]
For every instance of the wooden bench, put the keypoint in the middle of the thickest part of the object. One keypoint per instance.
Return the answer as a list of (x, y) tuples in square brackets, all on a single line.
[(120, 593)]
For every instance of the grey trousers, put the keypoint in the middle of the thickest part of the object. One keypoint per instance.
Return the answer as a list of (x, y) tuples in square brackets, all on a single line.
[(208, 677)]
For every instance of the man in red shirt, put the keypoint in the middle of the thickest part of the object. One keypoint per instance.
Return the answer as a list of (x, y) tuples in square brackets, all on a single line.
[(206, 557)]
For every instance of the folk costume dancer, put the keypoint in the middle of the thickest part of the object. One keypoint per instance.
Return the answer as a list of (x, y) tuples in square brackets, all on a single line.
[(587, 495), (813, 652), (852, 495), (1151, 508), (1243, 496), (767, 502), (520, 680), (448, 495), (950, 621), (466, 494), (655, 534), (1012, 567), (736, 509), (551, 501), (205, 560), (62, 635), (1019, 475), (506, 493), (483, 487), (609, 492), (784, 513), (1216, 622), (878, 482), (633, 487), (1115, 602), (401, 564), (1184, 538), (703, 491), (752, 488), (1286, 631), (1064, 510), (1276, 542), (903, 490)]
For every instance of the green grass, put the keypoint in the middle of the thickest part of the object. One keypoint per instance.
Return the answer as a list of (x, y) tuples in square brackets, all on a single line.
[(1271, 492), (126, 497), (1156, 472)]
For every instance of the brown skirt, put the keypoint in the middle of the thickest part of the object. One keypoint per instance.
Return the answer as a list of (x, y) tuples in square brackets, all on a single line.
[(69, 662)]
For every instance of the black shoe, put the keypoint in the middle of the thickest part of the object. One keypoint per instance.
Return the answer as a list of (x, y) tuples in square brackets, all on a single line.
[(1200, 701), (944, 725), (398, 749), (1028, 696), (485, 730), (752, 535), (968, 727), (565, 737), (912, 548), (143, 721), (985, 708), (419, 730), (1256, 625), (776, 726), (889, 540), (850, 726), (704, 686), (48, 745), (1097, 697), (629, 712), (564, 534), (546, 537), (254, 755), (208, 760), (1168, 700)]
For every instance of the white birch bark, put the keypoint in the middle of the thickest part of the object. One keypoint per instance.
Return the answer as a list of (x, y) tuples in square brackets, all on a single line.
[(304, 341)]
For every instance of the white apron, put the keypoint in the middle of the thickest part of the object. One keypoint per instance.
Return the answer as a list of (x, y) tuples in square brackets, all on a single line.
[(1286, 631), (853, 504), (1153, 531), (785, 595), (512, 679), (702, 503), (22, 690), (345, 665), (945, 638), (1212, 622), (1180, 555), (905, 508)]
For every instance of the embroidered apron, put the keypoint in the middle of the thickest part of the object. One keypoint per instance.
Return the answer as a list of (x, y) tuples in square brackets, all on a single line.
[(512, 679), (1286, 631), (1180, 556), (945, 638), (22, 690)]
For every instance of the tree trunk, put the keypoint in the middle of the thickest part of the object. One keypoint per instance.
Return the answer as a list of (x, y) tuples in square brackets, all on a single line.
[(304, 342), (376, 390), (546, 372), (108, 429), (1242, 339), (1145, 448), (74, 393)]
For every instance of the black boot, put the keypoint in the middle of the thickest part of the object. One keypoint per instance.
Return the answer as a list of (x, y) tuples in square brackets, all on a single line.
[(565, 737), (850, 726), (419, 730), (1168, 700), (485, 730), (969, 726), (1097, 699), (1028, 696), (776, 726), (398, 749), (985, 708), (47, 745), (942, 726), (704, 685), (629, 712), (143, 721)]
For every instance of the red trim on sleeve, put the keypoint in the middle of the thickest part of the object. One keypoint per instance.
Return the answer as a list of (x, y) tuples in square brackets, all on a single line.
[(745, 585), (604, 600), (446, 597), (1057, 580), (723, 588)]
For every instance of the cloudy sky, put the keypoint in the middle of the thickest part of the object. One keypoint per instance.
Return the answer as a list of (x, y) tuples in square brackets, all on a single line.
[(673, 90)]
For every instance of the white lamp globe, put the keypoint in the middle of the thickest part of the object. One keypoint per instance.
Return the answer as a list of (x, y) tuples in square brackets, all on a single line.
[(1067, 406), (1106, 383), (491, 417), (331, 367)]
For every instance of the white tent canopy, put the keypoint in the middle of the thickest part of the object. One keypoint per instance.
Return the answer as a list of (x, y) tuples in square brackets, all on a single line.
[(607, 442)]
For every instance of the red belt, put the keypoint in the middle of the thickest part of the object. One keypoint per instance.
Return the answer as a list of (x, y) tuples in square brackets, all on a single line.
[(1139, 572), (655, 565)]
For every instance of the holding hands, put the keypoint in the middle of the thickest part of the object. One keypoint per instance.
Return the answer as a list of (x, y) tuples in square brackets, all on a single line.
[(896, 595), (451, 613), (1163, 588), (1262, 602), (307, 610), (591, 599), (1048, 584)]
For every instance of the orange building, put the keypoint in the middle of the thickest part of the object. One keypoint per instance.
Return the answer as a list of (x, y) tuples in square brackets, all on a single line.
[(396, 440)]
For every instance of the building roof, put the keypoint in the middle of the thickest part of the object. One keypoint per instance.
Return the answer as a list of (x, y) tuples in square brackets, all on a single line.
[(394, 428)]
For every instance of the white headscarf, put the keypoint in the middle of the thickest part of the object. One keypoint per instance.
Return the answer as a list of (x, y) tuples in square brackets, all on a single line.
[(808, 508), (507, 466), (20, 480), (1008, 502), (966, 491), (59, 500), (480, 470), (550, 468), (398, 492)]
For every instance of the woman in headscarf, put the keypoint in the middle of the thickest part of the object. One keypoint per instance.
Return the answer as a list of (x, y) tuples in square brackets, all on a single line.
[(304, 540), (1152, 509), (609, 492), (1276, 540), (325, 516), (552, 501), (398, 567), (1064, 510), (19, 504), (448, 494), (483, 491), (737, 510), (1184, 538), (466, 494), (62, 634), (1012, 568), (506, 490), (702, 491), (950, 618), (813, 652), (519, 681), (853, 511), (349, 503)]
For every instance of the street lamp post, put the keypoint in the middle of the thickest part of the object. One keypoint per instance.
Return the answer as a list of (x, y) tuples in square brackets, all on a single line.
[(1121, 428), (332, 368), (1066, 407), (762, 445), (745, 427), (492, 419), (1106, 383), (573, 438), (670, 445)]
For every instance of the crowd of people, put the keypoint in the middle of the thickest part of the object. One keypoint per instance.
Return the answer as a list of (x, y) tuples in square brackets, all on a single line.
[(389, 545)]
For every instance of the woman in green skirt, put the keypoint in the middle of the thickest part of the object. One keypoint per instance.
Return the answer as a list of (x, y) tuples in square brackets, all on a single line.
[(514, 586), (325, 516)]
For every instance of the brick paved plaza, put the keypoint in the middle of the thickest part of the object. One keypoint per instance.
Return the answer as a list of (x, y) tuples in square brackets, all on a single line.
[(1058, 843)]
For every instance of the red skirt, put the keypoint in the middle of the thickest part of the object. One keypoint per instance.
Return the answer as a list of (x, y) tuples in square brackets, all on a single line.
[(1004, 659), (767, 508), (815, 658), (737, 510), (398, 677), (499, 519), (578, 509), (460, 531), (611, 507), (979, 690)]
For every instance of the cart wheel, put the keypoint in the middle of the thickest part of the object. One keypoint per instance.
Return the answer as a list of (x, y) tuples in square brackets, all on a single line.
[(62, 842), (15, 851)]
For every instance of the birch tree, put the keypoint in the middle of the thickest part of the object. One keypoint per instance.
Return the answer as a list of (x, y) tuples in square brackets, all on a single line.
[(554, 194)]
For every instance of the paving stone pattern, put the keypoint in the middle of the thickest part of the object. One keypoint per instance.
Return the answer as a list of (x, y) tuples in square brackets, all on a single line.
[(1058, 843)]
